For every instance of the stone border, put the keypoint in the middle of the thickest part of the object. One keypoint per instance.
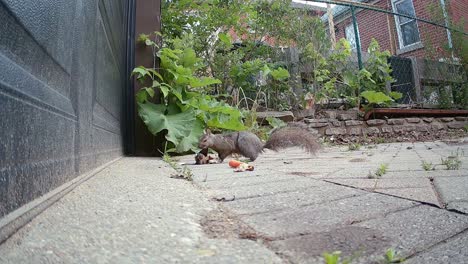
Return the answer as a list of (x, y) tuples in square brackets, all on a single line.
[(347, 126)]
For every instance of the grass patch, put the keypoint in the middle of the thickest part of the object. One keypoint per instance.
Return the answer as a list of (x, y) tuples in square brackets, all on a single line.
[(453, 161), (182, 172), (354, 146), (427, 166), (379, 172)]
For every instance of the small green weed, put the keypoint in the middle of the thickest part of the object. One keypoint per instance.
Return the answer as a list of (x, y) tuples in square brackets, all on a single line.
[(379, 172), (335, 258), (391, 256), (379, 140), (354, 146), (427, 166), (453, 161), (465, 128), (181, 172)]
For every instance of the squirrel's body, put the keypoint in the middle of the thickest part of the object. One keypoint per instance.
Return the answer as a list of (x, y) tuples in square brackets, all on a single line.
[(250, 146)]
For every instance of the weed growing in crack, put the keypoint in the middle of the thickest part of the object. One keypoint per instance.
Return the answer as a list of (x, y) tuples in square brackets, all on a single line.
[(379, 172), (427, 166), (354, 146), (453, 161), (182, 172), (379, 140), (334, 258), (391, 256)]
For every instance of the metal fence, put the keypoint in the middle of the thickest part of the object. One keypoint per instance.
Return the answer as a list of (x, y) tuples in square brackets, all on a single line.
[(428, 51)]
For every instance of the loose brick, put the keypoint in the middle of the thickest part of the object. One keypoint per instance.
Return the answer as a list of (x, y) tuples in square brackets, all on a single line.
[(437, 126), (335, 131), (337, 123), (428, 119), (376, 122), (353, 123), (446, 119), (387, 129), (422, 128), (317, 125), (456, 125), (343, 117), (413, 120), (461, 118), (355, 131), (396, 121), (372, 130)]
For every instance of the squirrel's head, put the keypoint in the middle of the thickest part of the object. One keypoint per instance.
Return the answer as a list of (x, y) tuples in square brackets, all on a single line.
[(206, 140)]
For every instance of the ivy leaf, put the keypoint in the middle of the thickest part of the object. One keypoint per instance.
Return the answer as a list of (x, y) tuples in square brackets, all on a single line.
[(374, 97)]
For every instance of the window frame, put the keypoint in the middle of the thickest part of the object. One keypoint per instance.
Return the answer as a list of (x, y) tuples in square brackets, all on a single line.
[(358, 35), (398, 25)]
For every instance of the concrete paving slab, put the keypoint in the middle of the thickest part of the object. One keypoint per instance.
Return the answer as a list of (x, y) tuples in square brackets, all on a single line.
[(453, 192), (131, 212), (361, 244), (406, 182), (289, 200), (418, 228), (325, 216), (425, 195), (250, 178), (265, 189), (368, 184), (454, 250)]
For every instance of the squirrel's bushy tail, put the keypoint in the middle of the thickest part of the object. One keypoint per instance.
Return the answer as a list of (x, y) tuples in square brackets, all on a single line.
[(292, 136)]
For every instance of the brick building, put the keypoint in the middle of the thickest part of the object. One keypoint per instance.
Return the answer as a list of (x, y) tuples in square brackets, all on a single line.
[(400, 35)]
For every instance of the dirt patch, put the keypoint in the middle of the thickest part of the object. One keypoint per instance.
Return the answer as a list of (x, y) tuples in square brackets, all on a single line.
[(223, 224)]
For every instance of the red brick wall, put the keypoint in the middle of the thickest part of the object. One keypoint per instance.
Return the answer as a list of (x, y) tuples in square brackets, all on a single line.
[(458, 10), (374, 24)]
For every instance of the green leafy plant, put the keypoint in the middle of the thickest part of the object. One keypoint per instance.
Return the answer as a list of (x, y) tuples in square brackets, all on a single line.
[(453, 162), (334, 258), (374, 99), (391, 256), (379, 172), (427, 166), (354, 146), (185, 106)]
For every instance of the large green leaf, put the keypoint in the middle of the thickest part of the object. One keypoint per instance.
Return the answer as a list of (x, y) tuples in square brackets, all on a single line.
[(190, 141), (374, 97), (177, 125)]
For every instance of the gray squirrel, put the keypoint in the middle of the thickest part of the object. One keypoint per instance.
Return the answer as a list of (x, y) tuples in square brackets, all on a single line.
[(250, 146)]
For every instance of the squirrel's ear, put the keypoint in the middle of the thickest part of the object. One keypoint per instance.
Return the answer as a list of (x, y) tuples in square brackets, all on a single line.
[(207, 131)]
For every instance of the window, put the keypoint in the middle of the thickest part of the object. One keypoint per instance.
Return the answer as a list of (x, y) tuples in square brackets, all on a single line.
[(407, 28), (350, 36)]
